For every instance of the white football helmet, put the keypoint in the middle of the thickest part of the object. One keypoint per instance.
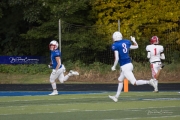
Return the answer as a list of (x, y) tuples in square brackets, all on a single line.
[(117, 36), (53, 43)]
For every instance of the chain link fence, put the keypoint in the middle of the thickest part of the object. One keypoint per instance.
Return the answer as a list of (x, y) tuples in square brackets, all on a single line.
[(93, 44)]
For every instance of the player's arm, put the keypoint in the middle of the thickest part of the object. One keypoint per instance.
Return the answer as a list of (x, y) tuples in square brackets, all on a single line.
[(58, 60), (162, 54), (148, 52), (116, 56), (135, 45)]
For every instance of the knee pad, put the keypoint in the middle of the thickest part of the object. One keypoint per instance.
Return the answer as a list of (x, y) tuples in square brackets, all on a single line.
[(120, 79), (51, 80)]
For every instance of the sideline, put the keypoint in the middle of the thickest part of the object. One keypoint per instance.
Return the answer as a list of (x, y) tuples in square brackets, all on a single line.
[(42, 93), (86, 87)]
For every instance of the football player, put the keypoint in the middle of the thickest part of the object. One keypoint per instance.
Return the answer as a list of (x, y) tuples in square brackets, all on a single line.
[(121, 49), (155, 53), (58, 68)]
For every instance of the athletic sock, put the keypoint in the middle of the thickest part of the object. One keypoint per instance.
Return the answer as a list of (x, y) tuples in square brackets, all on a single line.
[(142, 82), (120, 86), (156, 82), (53, 85)]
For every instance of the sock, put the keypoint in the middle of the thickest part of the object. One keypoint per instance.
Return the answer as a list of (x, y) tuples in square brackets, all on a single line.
[(156, 82), (142, 82), (120, 86), (54, 86)]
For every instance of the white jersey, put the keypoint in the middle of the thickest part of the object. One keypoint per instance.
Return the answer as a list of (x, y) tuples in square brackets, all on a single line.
[(154, 52)]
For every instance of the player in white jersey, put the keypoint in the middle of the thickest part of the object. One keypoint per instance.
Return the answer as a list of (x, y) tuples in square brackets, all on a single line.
[(58, 68), (155, 53), (121, 48)]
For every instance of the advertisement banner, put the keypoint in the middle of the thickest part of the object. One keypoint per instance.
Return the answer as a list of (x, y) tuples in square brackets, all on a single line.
[(21, 60)]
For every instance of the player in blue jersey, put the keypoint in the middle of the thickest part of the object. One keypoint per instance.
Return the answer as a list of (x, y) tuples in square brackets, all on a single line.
[(58, 68), (121, 49)]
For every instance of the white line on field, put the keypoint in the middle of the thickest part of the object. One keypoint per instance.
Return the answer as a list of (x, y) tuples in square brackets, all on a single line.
[(150, 117)]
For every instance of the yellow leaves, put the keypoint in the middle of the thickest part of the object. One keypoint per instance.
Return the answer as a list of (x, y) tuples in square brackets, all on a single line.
[(161, 14), (100, 14)]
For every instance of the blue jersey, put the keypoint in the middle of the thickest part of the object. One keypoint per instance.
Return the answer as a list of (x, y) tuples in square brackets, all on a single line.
[(123, 47), (54, 54)]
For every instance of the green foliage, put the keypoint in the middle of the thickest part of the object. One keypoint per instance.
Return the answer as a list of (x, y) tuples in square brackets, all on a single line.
[(95, 67), (80, 41), (139, 17), (96, 72), (172, 68), (27, 26), (25, 69), (176, 57)]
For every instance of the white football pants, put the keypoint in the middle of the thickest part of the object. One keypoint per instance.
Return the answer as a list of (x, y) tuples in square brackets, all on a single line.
[(155, 68), (59, 74), (126, 72)]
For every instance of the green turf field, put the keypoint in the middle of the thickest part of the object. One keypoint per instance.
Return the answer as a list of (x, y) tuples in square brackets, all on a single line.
[(131, 106)]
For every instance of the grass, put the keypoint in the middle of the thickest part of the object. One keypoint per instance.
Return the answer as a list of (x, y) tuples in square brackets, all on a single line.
[(10, 78), (93, 73), (131, 105)]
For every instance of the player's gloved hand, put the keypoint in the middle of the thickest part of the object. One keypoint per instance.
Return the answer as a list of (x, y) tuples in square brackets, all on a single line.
[(50, 66), (54, 71), (113, 68), (133, 39)]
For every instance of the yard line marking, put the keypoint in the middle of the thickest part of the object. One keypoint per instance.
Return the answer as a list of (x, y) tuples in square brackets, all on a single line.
[(156, 99), (90, 110), (146, 117)]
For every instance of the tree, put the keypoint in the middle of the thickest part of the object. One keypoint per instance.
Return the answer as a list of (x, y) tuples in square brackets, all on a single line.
[(140, 18)]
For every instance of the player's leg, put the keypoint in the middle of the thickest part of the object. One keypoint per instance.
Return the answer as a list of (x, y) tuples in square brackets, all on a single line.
[(127, 69), (155, 67), (119, 89), (161, 66), (63, 78), (53, 78), (120, 84)]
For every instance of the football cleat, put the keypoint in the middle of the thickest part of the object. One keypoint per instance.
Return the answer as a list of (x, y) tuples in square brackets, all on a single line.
[(71, 72), (54, 93), (113, 98)]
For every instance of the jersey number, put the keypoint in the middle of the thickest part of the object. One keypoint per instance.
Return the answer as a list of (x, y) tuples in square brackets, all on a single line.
[(124, 48), (155, 52)]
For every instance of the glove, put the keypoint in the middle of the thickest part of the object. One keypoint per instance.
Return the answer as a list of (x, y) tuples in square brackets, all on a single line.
[(50, 66), (113, 68), (133, 39), (54, 71)]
